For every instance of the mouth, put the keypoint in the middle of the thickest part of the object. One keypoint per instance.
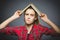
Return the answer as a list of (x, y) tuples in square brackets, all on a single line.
[(28, 20)]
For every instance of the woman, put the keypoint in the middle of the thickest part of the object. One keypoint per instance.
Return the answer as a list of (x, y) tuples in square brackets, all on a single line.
[(32, 30)]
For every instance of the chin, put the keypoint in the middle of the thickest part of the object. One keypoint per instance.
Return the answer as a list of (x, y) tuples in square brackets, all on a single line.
[(28, 23)]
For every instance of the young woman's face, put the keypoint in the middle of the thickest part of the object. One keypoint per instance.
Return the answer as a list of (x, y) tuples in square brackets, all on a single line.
[(29, 16)]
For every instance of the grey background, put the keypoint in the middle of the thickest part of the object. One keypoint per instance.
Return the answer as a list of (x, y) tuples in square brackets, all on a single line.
[(50, 7)]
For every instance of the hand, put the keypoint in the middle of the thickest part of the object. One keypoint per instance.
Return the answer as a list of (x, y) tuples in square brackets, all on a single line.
[(17, 14), (44, 17)]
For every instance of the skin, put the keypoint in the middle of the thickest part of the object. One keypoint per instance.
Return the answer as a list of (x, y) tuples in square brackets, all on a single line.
[(29, 16), (29, 19)]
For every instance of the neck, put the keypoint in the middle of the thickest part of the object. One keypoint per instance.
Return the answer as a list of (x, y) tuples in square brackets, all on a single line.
[(29, 25)]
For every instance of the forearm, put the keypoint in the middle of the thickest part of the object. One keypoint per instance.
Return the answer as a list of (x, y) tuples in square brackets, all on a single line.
[(6, 22), (54, 26)]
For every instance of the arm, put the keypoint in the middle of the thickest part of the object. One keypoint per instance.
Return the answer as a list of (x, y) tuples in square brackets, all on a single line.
[(45, 19), (53, 25), (15, 16), (48, 31), (6, 22), (49, 22)]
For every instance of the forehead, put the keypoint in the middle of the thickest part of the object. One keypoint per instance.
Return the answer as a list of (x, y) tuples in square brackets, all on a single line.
[(30, 11)]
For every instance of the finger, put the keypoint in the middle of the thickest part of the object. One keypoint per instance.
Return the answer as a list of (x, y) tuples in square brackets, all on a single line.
[(19, 12), (42, 15)]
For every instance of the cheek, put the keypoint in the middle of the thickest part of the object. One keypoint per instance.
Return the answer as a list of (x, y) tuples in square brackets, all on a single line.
[(32, 19), (25, 17)]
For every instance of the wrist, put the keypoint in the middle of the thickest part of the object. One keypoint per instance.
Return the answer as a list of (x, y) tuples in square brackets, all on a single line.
[(14, 17), (47, 20)]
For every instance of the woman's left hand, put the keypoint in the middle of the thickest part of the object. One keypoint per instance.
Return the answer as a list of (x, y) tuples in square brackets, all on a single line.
[(44, 17)]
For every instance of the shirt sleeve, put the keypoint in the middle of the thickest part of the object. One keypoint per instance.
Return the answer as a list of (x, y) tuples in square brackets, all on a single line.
[(48, 31), (8, 30)]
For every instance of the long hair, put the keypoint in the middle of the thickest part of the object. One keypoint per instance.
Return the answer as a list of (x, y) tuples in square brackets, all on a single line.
[(36, 15)]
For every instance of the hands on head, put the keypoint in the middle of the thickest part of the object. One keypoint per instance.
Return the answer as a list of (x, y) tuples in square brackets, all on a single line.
[(43, 16), (18, 13)]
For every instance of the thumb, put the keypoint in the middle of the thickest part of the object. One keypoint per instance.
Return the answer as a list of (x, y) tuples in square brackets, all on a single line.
[(42, 15), (19, 12)]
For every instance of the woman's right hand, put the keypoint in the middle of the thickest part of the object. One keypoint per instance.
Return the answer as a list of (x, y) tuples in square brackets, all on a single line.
[(17, 14)]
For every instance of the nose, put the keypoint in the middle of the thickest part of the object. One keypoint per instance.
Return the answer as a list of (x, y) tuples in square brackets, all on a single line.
[(29, 16)]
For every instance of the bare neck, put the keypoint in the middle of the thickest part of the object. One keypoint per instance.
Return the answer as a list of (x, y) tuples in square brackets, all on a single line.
[(29, 25), (29, 28)]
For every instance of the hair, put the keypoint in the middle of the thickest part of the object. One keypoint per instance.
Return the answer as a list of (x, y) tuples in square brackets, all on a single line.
[(36, 15)]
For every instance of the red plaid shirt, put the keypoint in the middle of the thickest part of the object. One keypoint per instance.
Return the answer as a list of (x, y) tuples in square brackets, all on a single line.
[(35, 34)]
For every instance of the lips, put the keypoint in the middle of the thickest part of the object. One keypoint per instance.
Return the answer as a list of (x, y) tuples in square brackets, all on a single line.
[(28, 20)]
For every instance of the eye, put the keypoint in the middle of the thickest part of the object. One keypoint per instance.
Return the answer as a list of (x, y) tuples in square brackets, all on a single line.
[(32, 15), (26, 14)]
